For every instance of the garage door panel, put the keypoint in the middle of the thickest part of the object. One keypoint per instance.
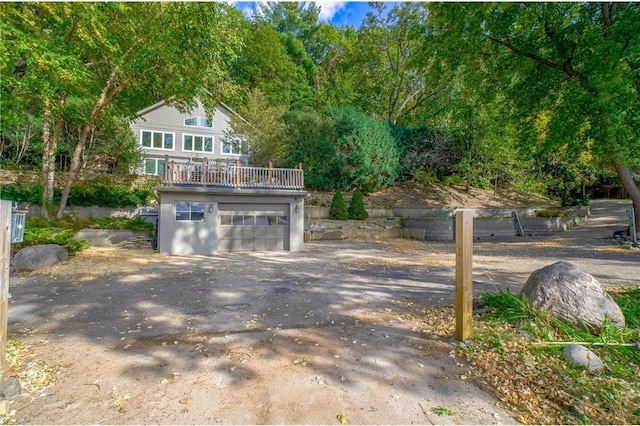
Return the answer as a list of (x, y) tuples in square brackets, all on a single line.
[(253, 227)]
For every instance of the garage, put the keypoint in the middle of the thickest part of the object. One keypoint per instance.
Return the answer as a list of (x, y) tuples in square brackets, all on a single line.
[(211, 220), (253, 227)]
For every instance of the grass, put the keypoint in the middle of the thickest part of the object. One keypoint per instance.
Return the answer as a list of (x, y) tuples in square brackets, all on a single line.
[(39, 230), (517, 350)]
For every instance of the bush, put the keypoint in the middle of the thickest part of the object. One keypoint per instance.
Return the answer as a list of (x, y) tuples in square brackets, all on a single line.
[(83, 194), (338, 209), (548, 213), (356, 208), (341, 149)]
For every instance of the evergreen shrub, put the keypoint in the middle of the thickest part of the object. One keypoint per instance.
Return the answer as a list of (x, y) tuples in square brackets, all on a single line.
[(356, 208), (338, 209)]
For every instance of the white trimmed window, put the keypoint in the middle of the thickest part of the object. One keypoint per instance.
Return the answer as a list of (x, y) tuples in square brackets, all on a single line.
[(189, 211), (231, 146), (196, 143), (198, 121), (153, 166), (156, 140)]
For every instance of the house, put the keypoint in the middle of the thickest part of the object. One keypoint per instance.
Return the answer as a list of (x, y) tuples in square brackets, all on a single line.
[(162, 130), (211, 201)]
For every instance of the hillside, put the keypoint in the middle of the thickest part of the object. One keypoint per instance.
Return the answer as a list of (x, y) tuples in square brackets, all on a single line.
[(412, 195)]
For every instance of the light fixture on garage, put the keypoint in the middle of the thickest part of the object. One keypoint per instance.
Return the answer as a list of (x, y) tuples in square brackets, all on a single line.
[(297, 209)]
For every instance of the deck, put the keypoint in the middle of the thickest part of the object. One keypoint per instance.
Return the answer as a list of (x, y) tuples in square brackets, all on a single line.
[(211, 173)]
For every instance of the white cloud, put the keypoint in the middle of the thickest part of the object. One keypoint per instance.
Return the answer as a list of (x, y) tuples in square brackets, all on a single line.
[(328, 9)]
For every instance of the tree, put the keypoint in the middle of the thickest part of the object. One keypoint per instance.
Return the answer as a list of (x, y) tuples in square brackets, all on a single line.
[(570, 71), (112, 54), (398, 75), (342, 148), (260, 128)]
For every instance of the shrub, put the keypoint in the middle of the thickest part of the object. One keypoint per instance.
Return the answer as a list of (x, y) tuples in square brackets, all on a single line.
[(548, 213), (356, 208), (338, 209)]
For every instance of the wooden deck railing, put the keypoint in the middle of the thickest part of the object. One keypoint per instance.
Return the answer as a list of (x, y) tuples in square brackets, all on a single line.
[(233, 175)]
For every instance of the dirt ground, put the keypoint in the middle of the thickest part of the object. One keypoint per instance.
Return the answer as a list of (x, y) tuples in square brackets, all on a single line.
[(343, 331)]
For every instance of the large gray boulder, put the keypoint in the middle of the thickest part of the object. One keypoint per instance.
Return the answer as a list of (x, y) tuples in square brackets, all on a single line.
[(572, 295), (38, 257)]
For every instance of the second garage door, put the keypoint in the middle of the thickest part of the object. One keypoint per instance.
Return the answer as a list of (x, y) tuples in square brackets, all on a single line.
[(253, 227)]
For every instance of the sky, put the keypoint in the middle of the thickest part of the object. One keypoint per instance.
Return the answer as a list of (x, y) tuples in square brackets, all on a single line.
[(338, 13)]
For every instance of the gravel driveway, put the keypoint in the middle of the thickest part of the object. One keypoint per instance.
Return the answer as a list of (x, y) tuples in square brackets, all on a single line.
[(255, 338)]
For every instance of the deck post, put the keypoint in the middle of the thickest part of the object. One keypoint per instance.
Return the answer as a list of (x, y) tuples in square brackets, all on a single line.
[(270, 174), (205, 171), (464, 274), (238, 180)]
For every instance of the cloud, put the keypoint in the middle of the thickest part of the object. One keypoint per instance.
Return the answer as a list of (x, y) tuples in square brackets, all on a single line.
[(329, 9)]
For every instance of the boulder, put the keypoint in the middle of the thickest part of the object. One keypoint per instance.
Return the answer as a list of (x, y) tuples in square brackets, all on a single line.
[(572, 295), (583, 357), (37, 257)]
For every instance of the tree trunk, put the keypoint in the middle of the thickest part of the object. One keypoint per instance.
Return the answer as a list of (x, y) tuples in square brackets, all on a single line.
[(632, 189), (73, 169), (49, 145)]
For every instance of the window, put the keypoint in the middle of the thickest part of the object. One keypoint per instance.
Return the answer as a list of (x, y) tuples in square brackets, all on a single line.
[(197, 143), (231, 146), (156, 140), (189, 211), (198, 122), (153, 166)]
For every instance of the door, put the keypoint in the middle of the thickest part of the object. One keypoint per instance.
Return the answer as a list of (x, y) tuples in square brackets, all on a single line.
[(253, 227)]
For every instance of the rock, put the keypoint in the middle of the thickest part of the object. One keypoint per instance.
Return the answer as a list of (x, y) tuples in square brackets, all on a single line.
[(583, 357), (572, 295), (37, 257), (10, 388)]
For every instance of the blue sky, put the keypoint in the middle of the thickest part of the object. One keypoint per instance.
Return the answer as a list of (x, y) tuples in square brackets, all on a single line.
[(338, 13)]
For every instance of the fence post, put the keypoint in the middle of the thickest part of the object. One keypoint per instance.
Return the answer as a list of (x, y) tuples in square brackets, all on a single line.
[(5, 247), (238, 179), (464, 273), (270, 174)]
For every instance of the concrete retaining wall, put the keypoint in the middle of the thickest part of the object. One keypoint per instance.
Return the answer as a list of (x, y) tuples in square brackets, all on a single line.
[(438, 224)]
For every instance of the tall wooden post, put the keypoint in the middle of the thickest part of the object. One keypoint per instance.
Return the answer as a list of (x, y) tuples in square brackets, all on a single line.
[(5, 248), (464, 274)]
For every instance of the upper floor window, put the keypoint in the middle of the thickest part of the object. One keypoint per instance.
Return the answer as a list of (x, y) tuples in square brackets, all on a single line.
[(197, 143), (231, 146), (198, 122), (157, 140)]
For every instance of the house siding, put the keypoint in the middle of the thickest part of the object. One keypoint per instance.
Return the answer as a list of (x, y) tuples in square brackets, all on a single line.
[(165, 118)]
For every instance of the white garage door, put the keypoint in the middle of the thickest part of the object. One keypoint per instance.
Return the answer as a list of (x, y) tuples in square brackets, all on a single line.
[(253, 227)]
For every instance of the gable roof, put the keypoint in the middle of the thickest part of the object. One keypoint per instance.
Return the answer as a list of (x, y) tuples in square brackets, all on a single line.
[(165, 103)]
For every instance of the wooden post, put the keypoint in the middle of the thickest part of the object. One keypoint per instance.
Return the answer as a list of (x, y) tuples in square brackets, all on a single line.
[(464, 273), (238, 180), (205, 171), (270, 174), (5, 248)]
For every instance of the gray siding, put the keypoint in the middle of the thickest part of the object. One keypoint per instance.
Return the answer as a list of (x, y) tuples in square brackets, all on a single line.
[(165, 118)]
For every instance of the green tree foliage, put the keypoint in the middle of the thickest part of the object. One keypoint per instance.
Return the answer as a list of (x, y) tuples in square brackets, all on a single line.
[(356, 207), (264, 64), (397, 76), (569, 71), (343, 149), (338, 209), (260, 128), (82, 58)]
